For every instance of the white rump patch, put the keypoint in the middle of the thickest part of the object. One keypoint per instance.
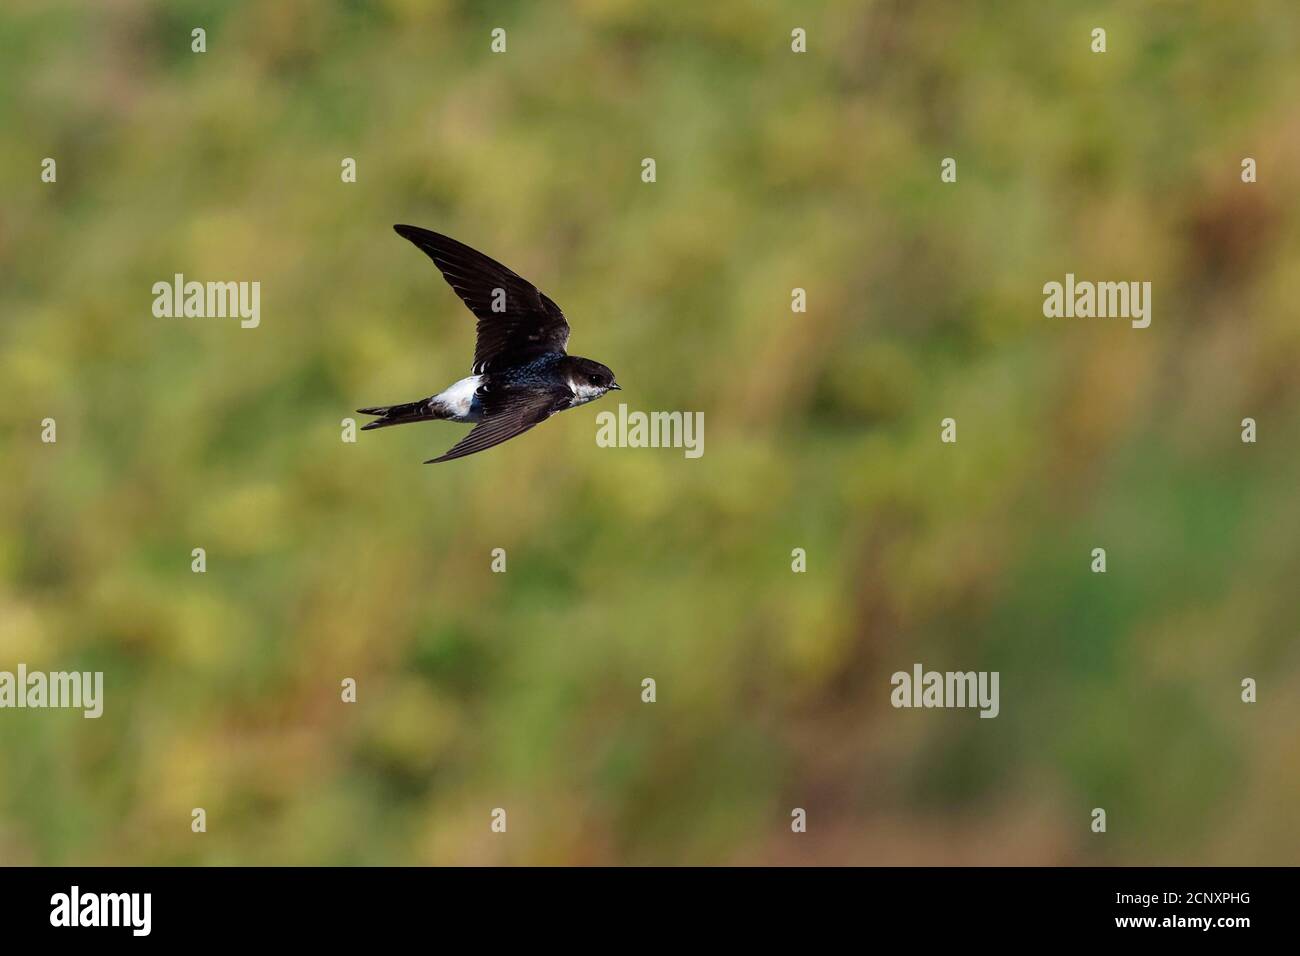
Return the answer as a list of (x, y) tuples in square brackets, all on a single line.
[(457, 401)]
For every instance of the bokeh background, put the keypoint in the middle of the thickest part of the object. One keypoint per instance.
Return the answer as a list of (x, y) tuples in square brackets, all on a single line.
[(521, 690)]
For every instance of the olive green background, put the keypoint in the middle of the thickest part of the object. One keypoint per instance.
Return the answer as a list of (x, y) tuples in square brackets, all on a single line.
[(521, 690)]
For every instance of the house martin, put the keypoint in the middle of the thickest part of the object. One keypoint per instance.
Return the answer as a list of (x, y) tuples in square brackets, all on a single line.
[(521, 374)]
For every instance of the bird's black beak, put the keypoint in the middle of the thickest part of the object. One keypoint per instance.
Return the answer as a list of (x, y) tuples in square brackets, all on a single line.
[(614, 386)]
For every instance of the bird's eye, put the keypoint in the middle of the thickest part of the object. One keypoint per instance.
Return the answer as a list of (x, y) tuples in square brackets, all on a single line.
[(594, 379)]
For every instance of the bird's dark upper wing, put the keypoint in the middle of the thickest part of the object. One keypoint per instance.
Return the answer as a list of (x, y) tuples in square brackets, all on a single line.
[(508, 412), (528, 322)]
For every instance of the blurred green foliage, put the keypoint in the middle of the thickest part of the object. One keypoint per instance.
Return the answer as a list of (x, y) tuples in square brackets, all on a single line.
[(522, 690)]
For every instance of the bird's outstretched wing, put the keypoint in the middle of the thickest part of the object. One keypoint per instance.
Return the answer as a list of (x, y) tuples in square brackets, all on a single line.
[(515, 320), (508, 412)]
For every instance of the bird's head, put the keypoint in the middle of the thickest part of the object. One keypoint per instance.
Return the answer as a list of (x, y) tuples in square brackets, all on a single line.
[(589, 380)]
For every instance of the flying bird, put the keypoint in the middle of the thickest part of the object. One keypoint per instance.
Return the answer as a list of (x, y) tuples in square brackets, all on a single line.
[(521, 374)]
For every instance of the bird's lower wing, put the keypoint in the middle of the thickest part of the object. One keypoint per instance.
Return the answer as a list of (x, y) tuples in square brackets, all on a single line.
[(509, 415)]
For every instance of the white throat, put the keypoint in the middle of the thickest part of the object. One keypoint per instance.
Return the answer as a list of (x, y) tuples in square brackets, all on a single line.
[(582, 394)]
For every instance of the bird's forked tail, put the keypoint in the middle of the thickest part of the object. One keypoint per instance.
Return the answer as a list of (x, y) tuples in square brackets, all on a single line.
[(420, 411)]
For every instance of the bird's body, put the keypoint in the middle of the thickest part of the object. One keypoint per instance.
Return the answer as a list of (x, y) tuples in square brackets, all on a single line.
[(458, 402), (521, 374)]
